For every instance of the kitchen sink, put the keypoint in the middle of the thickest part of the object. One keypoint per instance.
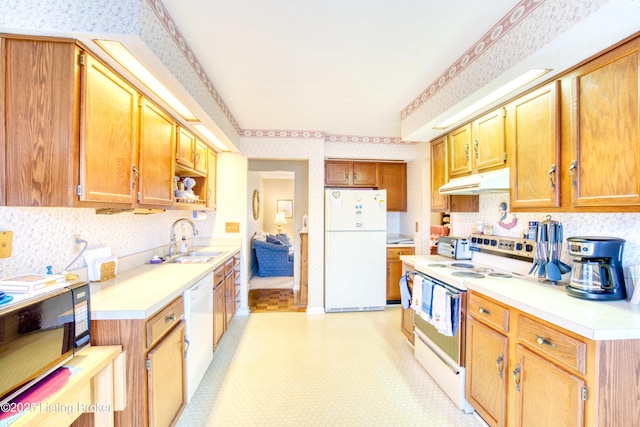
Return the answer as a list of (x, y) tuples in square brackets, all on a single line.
[(193, 257), (211, 254)]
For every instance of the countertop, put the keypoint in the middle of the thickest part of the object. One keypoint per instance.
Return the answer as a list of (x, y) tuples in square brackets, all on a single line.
[(595, 320), (141, 291)]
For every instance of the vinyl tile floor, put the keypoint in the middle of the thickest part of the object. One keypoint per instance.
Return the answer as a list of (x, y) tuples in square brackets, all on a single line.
[(338, 369)]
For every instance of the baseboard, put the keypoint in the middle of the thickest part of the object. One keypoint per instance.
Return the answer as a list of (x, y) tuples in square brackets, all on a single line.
[(315, 310)]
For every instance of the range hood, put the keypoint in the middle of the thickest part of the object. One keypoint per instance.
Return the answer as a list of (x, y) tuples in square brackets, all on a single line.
[(485, 182)]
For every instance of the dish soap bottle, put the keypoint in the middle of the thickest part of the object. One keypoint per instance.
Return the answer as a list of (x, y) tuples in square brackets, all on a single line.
[(183, 245)]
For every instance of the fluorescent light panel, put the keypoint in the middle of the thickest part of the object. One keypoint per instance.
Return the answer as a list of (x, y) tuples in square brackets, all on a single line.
[(509, 87), (210, 136), (128, 61)]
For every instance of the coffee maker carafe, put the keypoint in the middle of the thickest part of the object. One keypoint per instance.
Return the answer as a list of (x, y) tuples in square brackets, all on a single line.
[(597, 273)]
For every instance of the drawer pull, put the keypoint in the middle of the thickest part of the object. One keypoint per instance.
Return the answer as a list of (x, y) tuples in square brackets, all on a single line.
[(516, 377), (484, 311), (500, 365), (170, 318), (544, 341)]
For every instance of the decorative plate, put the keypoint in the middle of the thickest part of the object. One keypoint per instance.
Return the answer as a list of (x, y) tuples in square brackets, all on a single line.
[(255, 204)]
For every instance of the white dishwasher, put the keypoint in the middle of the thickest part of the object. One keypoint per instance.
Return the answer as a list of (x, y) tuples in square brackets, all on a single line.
[(198, 309)]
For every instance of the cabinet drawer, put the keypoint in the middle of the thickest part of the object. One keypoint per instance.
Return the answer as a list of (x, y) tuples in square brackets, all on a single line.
[(218, 276), (560, 347), (394, 253), (488, 312), (166, 319)]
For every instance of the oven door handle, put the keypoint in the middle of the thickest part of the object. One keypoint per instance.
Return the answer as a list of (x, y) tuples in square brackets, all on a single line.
[(445, 361)]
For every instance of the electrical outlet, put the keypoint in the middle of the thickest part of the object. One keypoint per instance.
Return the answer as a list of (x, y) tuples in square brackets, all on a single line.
[(232, 227), (77, 246), (6, 242)]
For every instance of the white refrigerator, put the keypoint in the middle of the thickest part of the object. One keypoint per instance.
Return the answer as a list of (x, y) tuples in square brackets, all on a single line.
[(355, 253)]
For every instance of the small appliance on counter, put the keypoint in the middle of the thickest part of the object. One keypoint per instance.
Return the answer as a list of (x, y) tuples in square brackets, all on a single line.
[(597, 273), (454, 247)]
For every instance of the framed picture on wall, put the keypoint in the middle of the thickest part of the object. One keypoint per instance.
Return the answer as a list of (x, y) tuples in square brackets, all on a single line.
[(285, 207)]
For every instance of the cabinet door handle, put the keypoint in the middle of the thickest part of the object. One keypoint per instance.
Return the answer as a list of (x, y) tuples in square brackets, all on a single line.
[(475, 148), (186, 341), (544, 341), (552, 171), (466, 150), (347, 175), (516, 377), (500, 364), (484, 311), (170, 318), (136, 173), (572, 171)]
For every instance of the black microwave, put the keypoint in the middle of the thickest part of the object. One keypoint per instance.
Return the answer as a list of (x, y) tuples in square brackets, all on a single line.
[(39, 334)]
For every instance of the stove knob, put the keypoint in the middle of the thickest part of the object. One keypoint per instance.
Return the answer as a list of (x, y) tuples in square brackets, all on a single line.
[(494, 242), (486, 241), (529, 248), (518, 246)]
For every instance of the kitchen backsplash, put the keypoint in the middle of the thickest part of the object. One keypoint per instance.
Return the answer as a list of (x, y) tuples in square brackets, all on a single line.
[(623, 225), (43, 236)]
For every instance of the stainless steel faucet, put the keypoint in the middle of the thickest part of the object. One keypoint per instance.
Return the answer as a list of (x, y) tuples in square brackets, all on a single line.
[(172, 245)]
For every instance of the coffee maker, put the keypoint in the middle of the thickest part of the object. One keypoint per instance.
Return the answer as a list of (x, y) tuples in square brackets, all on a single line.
[(597, 273)]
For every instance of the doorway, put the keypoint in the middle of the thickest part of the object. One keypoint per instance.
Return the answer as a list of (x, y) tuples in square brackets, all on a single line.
[(277, 193)]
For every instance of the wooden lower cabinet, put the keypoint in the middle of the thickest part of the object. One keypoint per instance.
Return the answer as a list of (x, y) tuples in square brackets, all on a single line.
[(546, 394), (486, 387), (406, 315), (219, 323), (226, 296), (165, 379), (540, 374), (155, 364), (394, 271)]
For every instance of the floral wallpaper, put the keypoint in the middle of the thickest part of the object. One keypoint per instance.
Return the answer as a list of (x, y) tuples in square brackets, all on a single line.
[(622, 225), (44, 236)]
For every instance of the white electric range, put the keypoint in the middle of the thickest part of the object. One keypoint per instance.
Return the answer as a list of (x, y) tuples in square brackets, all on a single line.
[(494, 258)]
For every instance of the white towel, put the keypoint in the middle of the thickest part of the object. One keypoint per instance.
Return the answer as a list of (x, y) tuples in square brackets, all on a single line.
[(416, 297), (441, 311)]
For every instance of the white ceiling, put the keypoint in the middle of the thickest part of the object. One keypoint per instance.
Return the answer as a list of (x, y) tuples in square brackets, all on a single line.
[(345, 67)]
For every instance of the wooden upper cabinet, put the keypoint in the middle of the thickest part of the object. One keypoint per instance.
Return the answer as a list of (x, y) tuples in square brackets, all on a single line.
[(184, 147), (489, 149), (605, 135), (459, 155), (157, 141), (108, 141), (350, 174), (393, 178), (365, 174), (533, 141), (478, 146), (200, 156), (439, 202), (39, 104)]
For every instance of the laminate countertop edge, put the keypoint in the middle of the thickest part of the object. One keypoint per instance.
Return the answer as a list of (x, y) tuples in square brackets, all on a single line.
[(140, 292)]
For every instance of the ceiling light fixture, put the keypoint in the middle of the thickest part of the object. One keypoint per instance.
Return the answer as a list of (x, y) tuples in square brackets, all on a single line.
[(210, 136), (120, 53), (509, 87)]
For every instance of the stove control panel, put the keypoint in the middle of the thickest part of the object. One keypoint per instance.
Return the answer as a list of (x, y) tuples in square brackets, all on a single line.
[(519, 247)]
